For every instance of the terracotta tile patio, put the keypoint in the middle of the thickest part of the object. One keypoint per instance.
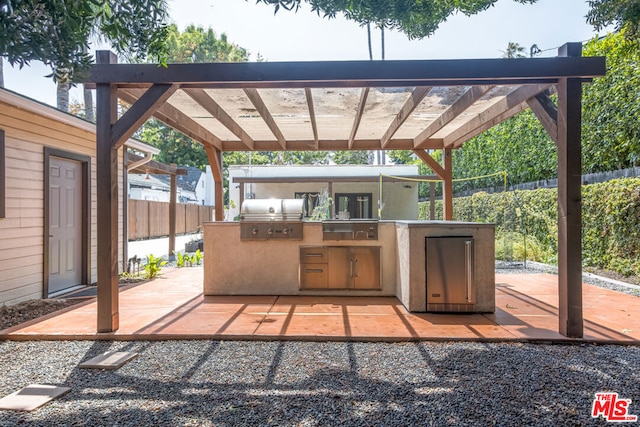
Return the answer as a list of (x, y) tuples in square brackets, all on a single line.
[(173, 307)]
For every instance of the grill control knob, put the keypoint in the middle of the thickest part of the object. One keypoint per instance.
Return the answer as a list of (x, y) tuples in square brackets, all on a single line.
[(270, 231), (254, 230), (285, 230)]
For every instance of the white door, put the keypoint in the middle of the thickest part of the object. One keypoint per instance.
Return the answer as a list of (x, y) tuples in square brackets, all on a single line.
[(65, 223)]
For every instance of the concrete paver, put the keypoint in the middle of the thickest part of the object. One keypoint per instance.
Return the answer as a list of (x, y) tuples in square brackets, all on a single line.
[(173, 307)]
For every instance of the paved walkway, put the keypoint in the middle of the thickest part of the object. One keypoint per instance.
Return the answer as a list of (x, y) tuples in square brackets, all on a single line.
[(158, 247), (173, 307)]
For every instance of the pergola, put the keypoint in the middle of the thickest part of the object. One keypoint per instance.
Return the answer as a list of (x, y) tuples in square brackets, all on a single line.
[(352, 105)]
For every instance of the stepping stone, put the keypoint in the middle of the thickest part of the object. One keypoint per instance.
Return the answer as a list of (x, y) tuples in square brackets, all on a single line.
[(110, 360), (32, 397)]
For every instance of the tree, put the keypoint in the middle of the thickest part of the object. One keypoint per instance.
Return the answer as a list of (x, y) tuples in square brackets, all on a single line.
[(514, 50), (611, 107), (57, 32), (351, 157), (624, 14), (419, 19), (197, 44)]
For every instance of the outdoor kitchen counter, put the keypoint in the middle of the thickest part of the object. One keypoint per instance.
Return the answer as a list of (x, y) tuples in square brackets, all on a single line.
[(271, 267), (412, 257)]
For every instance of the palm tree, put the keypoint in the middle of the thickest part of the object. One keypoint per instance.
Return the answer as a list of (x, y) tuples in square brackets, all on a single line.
[(514, 50)]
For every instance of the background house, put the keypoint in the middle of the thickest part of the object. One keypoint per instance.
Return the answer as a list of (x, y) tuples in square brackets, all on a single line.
[(352, 188), (191, 187)]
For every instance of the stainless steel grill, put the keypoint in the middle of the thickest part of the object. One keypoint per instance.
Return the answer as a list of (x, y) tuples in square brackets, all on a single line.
[(265, 219)]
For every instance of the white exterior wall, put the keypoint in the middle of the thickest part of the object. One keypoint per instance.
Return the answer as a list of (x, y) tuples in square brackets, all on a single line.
[(209, 188), (201, 189), (398, 202)]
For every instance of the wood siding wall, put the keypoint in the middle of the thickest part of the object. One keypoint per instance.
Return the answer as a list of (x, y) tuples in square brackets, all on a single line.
[(148, 219), (30, 127)]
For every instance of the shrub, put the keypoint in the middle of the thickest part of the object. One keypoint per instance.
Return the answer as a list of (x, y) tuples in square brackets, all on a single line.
[(153, 266)]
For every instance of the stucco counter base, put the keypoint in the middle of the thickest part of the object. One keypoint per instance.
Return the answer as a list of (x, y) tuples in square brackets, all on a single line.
[(272, 267)]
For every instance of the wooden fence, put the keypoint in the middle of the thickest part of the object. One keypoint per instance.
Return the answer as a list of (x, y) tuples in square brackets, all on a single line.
[(148, 219)]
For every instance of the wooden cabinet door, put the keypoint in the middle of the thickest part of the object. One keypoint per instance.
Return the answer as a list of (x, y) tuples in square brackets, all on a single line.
[(340, 267), (366, 267)]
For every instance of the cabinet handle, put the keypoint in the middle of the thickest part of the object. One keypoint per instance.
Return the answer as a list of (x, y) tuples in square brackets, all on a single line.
[(467, 263), (356, 275), (350, 268), (313, 255), (314, 270)]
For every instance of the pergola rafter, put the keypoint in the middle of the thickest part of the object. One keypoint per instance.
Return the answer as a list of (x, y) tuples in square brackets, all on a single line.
[(350, 105)]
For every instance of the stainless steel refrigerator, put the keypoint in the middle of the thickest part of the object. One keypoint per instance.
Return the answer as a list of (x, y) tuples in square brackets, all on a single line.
[(450, 274)]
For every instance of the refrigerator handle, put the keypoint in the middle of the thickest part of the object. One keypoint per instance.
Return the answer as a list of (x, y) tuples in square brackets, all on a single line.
[(467, 262)]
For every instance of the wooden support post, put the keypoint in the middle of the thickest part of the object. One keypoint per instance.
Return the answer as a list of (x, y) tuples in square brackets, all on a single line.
[(125, 209), (447, 185), (432, 201), (332, 214), (215, 161), (569, 201), (107, 202), (173, 192)]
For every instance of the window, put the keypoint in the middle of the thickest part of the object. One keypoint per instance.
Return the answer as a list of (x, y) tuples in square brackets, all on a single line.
[(310, 202), (357, 204)]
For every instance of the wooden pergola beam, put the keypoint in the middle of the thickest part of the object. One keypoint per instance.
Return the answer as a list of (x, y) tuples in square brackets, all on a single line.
[(489, 124), (154, 167), (329, 145), (262, 109), (454, 110), (140, 111), (570, 315), (176, 119), (356, 121), (546, 112), (431, 162), (312, 116), (213, 108), (409, 106), (215, 161), (445, 173), (512, 100), (353, 73)]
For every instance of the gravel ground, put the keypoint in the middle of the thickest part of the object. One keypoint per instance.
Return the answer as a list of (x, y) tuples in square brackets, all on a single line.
[(206, 383), (28, 310)]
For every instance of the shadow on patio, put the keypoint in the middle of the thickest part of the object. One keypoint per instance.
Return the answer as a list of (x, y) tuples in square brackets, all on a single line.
[(173, 307)]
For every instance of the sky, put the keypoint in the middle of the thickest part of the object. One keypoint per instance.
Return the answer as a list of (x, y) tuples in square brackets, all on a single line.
[(304, 36)]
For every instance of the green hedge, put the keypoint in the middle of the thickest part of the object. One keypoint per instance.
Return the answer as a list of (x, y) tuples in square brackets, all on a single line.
[(610, 218)]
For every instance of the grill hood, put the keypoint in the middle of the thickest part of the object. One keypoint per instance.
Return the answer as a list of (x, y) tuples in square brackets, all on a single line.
[(272, 210)]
